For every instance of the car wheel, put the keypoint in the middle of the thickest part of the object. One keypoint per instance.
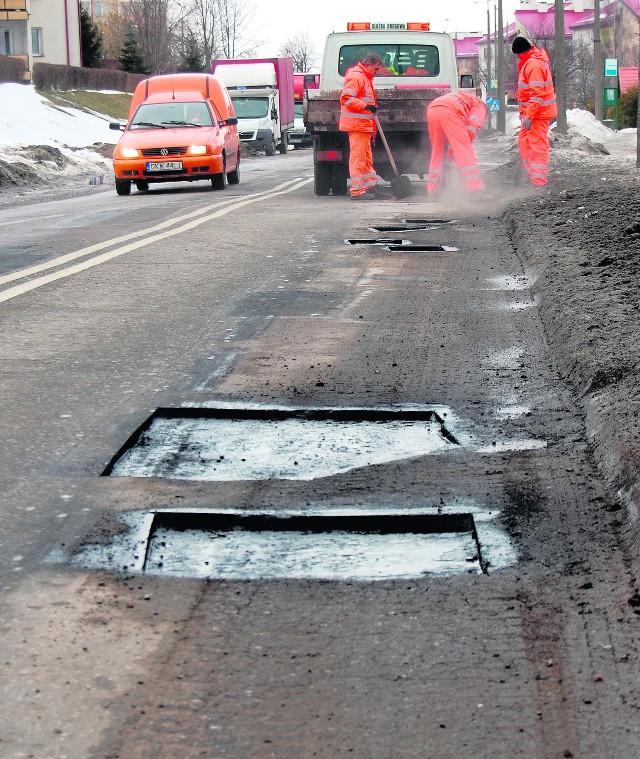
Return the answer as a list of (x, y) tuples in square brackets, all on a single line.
[(270, 149), (142, 186), (233, 177), (219, 181), (123, 187)]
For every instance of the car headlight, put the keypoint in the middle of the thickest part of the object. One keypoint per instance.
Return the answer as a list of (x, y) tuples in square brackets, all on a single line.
[(129, 152), (198, 150)]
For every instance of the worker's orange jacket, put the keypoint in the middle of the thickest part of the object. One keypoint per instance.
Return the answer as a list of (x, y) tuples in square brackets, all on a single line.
[(357, 93), (536, 95)]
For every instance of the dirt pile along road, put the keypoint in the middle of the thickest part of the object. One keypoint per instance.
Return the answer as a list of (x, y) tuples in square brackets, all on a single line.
[(581, 242)]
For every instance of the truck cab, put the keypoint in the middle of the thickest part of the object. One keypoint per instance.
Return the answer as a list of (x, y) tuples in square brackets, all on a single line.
[(262, 95)]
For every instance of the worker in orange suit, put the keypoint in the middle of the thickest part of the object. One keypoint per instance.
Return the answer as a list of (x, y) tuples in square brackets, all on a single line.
[(455, 118), (358, 105), (537, 105)]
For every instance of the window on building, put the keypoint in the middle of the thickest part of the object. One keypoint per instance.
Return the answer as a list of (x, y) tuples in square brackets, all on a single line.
[(100, 10), (36, 41), (6, 48)]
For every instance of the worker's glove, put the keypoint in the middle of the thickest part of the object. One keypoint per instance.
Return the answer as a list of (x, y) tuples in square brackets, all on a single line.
[(371, 108), (526, 124)]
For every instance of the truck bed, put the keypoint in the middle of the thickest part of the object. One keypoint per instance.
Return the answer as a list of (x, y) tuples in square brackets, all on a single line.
[(399, 110)]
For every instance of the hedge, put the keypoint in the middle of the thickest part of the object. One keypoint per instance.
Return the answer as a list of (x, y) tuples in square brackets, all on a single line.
[(51, 76)]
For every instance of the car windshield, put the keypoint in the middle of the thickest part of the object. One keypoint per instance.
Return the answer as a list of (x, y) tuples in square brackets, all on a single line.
[(251, 108), (163, 115), (298, 107), (399, 60)]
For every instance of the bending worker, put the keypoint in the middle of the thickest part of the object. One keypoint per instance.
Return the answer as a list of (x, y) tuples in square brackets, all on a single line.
[(455, 118), (537, 104), (358, 105)]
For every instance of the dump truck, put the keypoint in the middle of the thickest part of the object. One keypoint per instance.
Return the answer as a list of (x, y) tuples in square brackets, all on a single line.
[(420, 65)]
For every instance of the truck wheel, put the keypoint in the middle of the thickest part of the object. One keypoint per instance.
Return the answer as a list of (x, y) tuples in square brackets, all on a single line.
[(271, 148), (123, 187), (219, 181), (322, 173), (284, 144), (233, 177), (339, 181)]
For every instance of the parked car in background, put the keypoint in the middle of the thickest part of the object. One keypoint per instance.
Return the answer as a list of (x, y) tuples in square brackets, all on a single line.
[(181, 127)]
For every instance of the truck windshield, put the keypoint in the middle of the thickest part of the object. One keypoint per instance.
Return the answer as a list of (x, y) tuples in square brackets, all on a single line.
[(399, 60), (251, 108), (171, 114)]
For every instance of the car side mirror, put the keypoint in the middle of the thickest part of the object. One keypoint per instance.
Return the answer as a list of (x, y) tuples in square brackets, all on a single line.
[(231, 121), (274, 114), (117, 126), (466, 81)]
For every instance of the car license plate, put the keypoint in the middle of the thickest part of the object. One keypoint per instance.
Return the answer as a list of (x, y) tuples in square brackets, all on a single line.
[(165, 166), (293, 140)]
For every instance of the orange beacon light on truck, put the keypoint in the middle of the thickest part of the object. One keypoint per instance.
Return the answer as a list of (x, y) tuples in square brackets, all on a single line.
[(388, 26)]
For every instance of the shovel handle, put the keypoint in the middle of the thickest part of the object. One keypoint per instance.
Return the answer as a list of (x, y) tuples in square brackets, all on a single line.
[(386, 145)]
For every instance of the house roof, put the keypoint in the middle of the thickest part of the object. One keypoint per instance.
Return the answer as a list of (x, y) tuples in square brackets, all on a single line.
[(608, 13), (544, 24), (467, 47), (628, 77)]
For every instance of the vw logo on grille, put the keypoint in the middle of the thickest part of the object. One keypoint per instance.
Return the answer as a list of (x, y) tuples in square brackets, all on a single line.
[(164, 151)]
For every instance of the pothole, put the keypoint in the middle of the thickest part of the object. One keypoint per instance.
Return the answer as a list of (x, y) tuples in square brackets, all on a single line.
[(378, 241), (264, 443), (419, 248), (348, 545)]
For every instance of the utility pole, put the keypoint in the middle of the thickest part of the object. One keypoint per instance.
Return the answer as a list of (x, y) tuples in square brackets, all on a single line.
[(598, 64), (502, 120), (638, 110), (489, 56), (560, 69)]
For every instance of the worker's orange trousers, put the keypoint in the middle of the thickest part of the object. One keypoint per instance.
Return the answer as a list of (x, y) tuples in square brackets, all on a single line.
[(534, 151), (363, 176), (446, 125)]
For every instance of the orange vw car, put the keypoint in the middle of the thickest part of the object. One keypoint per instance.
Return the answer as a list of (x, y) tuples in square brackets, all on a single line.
[(181, 127)]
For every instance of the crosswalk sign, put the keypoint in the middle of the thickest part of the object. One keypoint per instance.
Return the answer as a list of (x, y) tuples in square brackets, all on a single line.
[(493, 103)]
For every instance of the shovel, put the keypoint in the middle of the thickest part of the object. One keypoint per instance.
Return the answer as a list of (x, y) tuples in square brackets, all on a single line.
[(400, 184)]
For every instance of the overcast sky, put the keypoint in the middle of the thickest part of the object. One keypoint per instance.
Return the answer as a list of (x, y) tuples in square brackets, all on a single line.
[(320, 19)]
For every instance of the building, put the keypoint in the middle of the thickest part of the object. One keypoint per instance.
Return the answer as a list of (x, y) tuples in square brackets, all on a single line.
[(102, 8), (45, 31)]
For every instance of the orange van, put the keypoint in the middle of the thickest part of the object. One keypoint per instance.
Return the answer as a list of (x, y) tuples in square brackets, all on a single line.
[(181, 127)]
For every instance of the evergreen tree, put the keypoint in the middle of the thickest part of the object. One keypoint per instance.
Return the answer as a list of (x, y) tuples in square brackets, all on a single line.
[(130, 58), (191, 57), (90, 40)]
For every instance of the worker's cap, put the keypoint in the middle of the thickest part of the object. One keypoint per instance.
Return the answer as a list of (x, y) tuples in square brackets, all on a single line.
[(520, 45)]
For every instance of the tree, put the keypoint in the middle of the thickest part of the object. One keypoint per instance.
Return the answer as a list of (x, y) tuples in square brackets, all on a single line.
[(301, 50), (90, 40), (628, 108), (191, 59), (234, 20), (130, 57), (155, 35), (114, 28)]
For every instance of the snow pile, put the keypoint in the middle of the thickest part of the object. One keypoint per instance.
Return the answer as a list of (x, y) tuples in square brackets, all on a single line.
[(27, 118), (43, 143)]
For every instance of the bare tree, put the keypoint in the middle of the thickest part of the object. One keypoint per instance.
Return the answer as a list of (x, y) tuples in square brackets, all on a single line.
[(580, 75), (203, 22), (301, 50), (114, 28), (151, 19), (234, 19)]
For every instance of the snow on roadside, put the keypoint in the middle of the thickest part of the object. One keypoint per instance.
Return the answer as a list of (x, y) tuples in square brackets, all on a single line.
[(68, 140)]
